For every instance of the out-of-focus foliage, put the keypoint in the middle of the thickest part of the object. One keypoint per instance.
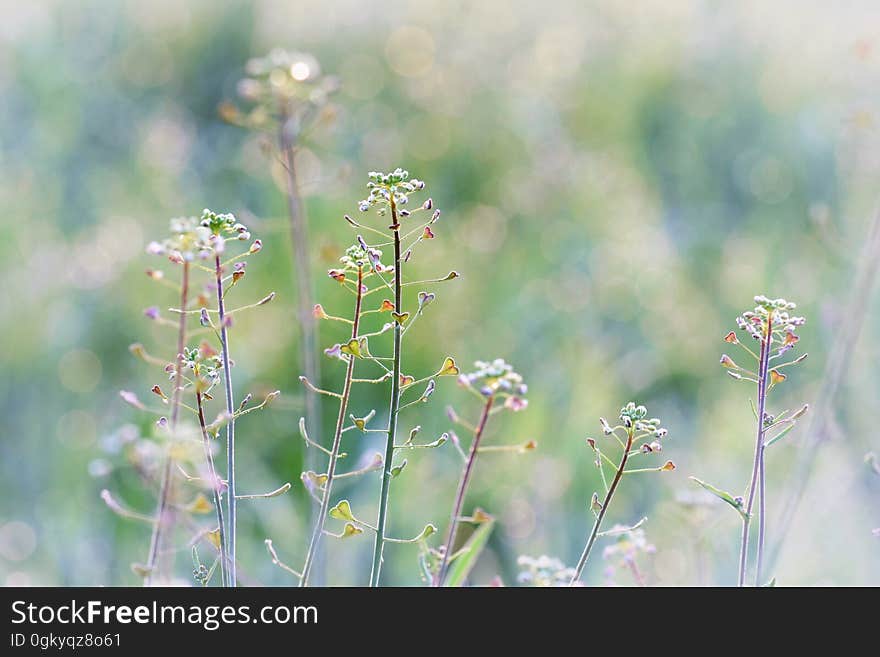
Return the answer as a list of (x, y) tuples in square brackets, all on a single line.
[(617, 182)]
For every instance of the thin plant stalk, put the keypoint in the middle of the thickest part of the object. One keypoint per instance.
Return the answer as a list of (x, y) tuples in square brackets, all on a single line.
[(594, 532), (636, 573), (303, 275), (215, 488), (462, 491), (836, 368), (762, 515), (762, 506), (758, 463), (337, 440), (393, 407), (181, 342), (167, 482), (230, 425)]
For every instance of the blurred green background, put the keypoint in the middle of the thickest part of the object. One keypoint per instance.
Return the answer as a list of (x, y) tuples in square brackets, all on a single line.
[(617, 182)]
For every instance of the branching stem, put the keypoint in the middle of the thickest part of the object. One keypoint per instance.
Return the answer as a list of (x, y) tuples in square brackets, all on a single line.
[(167, 469), (757, 479), (462, 491), (231, 500), (591, 539), (215, 488), (334, 450), (300, 242), (394, 406)]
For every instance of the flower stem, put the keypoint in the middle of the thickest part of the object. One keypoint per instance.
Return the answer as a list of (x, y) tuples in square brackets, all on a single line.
[(304, 296), (337, 440), (591, 539), (230, 427), (762, 480), (394, 406), (762, 515), (181, 343), (215, 488), (636, 572), (462, 491), (167, 481), (757, 466), (300, 242)]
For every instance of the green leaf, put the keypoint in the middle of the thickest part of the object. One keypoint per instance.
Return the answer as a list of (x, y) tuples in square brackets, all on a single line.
[(467, 557), (429, 530), (353, 348), (449, 368), (310, 477), (724, 496), (200, 505), (342, 511), (779, 436), (361, 422), (351, 530), (348, 531), (397, 469), (622, 530), (214, 537)]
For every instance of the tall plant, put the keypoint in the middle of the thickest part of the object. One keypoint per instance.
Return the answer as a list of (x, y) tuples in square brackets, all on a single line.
[(636, 435), (359, 265), (204, 364), (499, 388), (286, 95), (389, 194), (199, 246), (773, 327), (223, 228), (181, 248)]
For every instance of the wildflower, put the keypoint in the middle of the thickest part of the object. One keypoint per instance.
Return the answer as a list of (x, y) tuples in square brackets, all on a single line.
[(772, 324), (280, 85), (543, 571), (495, 377)]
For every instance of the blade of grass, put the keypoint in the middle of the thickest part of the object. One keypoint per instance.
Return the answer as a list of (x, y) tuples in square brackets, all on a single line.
[(464, 563)]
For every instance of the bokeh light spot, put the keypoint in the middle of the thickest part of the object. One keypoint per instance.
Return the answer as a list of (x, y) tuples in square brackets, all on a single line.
[(410, 51), (300, 71), (17, 541), (79, 370), (362, 76), (77, 429)]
